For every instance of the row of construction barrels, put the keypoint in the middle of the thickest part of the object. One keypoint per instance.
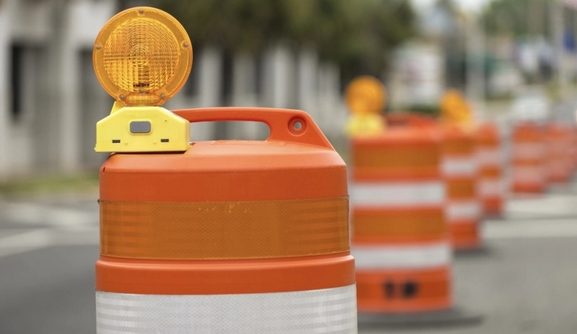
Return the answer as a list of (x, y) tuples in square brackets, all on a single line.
[(254, 237), (542, 154), (421, 189), (413, 199)]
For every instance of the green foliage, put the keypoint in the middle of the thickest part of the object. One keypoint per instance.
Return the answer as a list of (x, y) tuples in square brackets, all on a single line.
[(379, 27), (49, 184), (423, 109), (517, 17), (354, 34)]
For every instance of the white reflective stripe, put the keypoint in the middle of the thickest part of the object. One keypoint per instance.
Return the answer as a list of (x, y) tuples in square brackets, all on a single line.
[(529, 174), (556, 150), (402, 257), (463, 209), (490, 187), (397, 194), (314, 311), (489, 157), (554, 165), (459, 165), (528, 151)]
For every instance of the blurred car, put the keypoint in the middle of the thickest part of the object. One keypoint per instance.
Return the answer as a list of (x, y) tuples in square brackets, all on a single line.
[(504, 80), (530, 104)]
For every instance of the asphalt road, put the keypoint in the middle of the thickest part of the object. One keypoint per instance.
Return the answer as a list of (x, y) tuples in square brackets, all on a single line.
[(48, 247), (525, 282)]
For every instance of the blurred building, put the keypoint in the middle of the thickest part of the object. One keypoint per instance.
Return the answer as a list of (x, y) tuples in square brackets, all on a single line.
[(424, 67), (280, 77), (417, 78), (50, 99)]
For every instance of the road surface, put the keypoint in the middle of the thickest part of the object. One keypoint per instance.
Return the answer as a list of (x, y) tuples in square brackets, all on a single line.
[(526, 282)]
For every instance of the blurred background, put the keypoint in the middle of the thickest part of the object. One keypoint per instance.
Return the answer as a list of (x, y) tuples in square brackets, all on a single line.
[(286, 53), (513, 59)]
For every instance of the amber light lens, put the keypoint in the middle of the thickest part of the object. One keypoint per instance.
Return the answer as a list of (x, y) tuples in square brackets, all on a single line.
[(142, 57), (365, 95)]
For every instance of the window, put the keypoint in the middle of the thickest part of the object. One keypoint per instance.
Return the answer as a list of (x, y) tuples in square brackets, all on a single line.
[(16, 82)]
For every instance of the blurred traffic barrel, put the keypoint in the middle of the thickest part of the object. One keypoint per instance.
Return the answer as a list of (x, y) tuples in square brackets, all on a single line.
[(229, 236), (489, 153), (400, 240), (461, 173), (573, 147), (528, 165), (559, 164)]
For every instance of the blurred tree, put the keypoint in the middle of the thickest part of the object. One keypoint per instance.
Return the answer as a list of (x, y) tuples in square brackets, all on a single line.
[(357, 35), (517, 17)]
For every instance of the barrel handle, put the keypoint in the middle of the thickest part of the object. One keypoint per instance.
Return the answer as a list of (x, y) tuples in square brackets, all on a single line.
[(287, 125)]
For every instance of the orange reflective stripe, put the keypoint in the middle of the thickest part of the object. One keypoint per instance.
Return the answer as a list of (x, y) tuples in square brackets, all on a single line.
[(460, 188), (461, 146), (413, 222), (458, 141), (224, 230), (488, 142), (490, 172), (402, 156)]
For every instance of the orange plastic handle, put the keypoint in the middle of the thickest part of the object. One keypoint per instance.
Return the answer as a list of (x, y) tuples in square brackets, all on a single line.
[(283, 123)]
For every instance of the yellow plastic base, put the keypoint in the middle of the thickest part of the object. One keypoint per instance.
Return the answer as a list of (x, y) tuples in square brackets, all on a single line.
[(365, 125), (142, 129)]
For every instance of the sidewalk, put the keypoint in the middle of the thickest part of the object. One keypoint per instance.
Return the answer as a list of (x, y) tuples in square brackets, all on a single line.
[(38, 221)]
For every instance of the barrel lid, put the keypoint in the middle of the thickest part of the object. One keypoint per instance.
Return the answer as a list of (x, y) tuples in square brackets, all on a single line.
[(291, 163)]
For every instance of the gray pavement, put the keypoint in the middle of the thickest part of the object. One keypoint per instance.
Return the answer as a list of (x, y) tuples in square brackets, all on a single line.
[(526, 281), (48, 247)]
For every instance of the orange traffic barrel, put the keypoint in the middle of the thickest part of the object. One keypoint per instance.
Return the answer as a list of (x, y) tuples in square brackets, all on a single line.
[(400, 238), (461, 173), (228, 236), (491, 188), (528, 173), (573, 147), (559, 165)]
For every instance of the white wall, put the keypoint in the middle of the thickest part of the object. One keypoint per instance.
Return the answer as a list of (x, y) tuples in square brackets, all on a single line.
[(308, 81), (47, 135), (82, 22), (244, 94), (25, 24), (278, 76), (332, 113), (4, 88)]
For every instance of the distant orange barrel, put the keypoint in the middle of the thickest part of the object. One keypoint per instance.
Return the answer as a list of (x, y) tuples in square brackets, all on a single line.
[(461, 173), (229, 236), (528, 165), (573, 145), (489, 153), (571, 154), (559, 164), (400, 240)]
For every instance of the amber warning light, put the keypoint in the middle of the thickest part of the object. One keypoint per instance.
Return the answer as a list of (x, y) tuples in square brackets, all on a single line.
[(142, 57)]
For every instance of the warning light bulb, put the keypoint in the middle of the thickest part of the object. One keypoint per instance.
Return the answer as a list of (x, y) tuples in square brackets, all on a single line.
[(142, 57)]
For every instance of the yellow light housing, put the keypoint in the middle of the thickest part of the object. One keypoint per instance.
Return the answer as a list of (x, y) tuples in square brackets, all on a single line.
[(365, 97), (142, 57)]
